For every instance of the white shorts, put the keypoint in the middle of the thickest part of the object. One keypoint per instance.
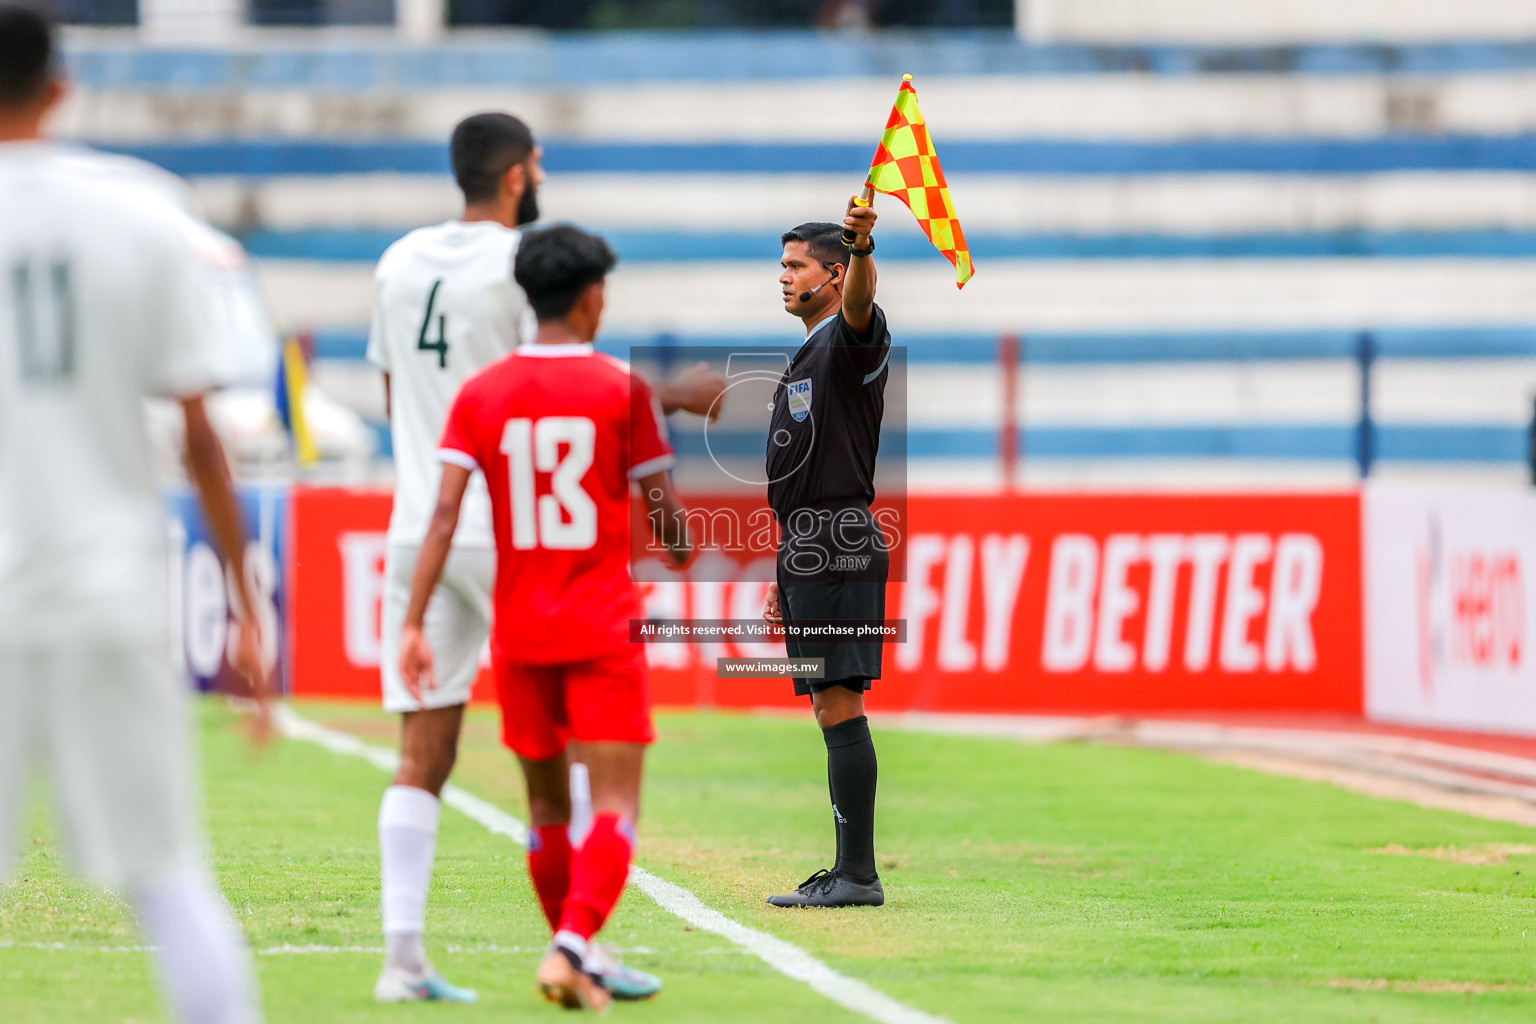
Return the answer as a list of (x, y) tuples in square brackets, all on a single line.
[(109, 727), (457, 626)]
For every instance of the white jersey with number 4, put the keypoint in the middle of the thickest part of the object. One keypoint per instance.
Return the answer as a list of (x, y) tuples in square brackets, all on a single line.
[(103, 302), (445, 307)]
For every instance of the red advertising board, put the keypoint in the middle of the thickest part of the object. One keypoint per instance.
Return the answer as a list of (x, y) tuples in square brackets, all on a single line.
[(1032, 603), (337, 564)]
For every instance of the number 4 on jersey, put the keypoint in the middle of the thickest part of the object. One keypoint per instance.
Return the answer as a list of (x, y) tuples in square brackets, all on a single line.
[(440, 346)]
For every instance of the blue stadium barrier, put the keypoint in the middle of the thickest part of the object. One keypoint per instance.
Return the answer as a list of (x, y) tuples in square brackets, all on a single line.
[(1286, 442), (581, 59), (257, 158), (385, 441), (1364, 442), (1061, 348), (1270, 441), (340, 244), (1446, 442), (1453, 342)]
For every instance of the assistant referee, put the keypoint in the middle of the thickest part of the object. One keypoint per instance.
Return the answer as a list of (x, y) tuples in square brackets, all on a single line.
[(823, 438)]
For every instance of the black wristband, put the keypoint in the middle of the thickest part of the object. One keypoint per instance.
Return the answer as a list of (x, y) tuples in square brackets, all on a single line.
[(863, 252)]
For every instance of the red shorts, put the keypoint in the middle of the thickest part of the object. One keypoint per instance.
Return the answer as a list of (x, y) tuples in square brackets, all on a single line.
[(545, 707)]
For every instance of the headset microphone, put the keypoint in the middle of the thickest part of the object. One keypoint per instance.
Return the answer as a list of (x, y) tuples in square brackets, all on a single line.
[(807, 296)]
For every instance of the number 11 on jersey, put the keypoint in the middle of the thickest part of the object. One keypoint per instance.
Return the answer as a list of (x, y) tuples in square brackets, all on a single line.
[(45, 320)]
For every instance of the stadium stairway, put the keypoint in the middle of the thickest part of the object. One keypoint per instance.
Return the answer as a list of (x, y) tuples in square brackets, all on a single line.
[(1190, 241)]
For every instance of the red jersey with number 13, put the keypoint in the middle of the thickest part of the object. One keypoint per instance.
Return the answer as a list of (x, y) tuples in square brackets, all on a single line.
[(559, 432)]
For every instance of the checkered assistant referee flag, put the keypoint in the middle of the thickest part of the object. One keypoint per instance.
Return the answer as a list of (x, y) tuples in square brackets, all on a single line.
[(905, 166)]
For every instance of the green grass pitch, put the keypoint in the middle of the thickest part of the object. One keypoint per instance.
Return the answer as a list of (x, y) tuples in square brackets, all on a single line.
[(1024, 883)]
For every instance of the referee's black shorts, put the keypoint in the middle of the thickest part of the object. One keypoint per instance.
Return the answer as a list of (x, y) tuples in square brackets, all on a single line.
[(825, 596)]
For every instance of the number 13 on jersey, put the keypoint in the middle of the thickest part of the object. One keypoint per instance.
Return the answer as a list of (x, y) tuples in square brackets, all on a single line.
[(566, 518)]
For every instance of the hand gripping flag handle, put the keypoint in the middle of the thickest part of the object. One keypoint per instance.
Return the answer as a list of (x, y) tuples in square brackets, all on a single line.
[(865, 198)]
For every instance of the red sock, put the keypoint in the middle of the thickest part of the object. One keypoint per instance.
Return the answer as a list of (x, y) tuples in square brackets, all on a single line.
[(598, 875), (549, 863)]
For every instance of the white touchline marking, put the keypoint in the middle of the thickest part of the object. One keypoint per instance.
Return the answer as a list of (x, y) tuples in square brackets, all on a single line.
[(785, 957), (316, 949), (286, 949), (66, 947)]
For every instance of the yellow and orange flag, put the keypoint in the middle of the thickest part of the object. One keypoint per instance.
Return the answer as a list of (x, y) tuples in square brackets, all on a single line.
[(905, 166)]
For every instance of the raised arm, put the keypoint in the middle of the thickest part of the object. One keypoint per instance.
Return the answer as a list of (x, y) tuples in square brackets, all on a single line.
[(415, 652), (859, 286)]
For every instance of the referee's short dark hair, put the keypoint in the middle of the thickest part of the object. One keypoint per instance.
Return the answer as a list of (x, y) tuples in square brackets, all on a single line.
[(822, 239), (484, 148), (554, 264), (26, 53)]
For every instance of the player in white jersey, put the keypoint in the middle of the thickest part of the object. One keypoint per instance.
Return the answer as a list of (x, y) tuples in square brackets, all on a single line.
[(103, 302), (445, 307)]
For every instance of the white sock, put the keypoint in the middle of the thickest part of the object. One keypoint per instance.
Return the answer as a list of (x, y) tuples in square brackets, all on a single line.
[(204, 961), (406, 951), (581, 804), (407, 841)]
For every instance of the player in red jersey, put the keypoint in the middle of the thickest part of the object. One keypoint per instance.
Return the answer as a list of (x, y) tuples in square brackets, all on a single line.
[(560, 433)]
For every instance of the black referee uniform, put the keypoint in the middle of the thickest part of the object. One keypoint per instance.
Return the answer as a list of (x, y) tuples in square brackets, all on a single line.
[(823, 439)]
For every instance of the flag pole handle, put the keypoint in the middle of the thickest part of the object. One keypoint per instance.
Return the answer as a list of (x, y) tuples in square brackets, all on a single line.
[(864, 199)]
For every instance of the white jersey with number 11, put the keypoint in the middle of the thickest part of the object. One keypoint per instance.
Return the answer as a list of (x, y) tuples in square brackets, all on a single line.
[(103, 302)]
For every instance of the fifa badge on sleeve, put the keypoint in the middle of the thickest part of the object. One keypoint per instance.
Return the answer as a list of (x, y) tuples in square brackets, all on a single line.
[(799, 399)]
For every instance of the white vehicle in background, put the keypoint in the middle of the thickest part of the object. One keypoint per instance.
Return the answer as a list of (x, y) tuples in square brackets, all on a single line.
[(245, 412)]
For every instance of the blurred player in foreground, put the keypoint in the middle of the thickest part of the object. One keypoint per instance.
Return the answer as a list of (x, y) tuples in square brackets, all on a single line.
[(446, 307), (561, 433), (833, 560), (104, 302)]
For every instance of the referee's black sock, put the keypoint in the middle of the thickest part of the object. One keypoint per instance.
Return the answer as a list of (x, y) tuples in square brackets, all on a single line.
[(832, 797), (853, 770)]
